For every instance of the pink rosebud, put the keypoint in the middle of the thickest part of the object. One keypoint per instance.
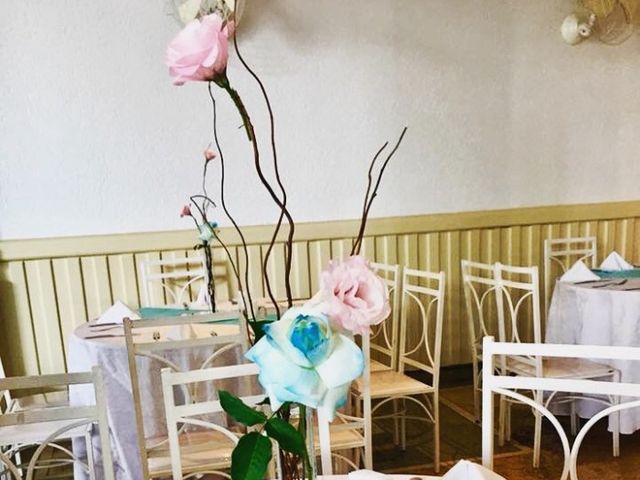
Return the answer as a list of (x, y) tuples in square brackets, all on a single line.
[(200, 51), (185, 212), (209, 154), (353, 296)]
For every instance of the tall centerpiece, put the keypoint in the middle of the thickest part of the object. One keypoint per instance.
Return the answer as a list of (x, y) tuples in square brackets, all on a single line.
[(307, 357)]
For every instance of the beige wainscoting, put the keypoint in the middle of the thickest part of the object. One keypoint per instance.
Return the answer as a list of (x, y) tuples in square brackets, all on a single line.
[(49, 286)]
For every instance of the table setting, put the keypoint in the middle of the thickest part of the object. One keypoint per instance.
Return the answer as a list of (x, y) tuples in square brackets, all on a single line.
[(599, 306)]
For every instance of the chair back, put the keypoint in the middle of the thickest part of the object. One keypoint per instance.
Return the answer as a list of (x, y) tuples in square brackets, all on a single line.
[(384, 339), (421, 321), (5, 396), (361, 424), (204, 338), (519, 317), (62, 420), (180, 413), (172, 281), (481, 302), (497, 382), (560, 254)]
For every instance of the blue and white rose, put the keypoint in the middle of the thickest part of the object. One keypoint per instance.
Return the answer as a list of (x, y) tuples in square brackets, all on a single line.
[(302, 359)]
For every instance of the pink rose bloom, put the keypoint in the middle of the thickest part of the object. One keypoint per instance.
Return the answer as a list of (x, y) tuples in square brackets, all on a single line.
[(209, 154), (200, 51), (185, 212), (353, 296)]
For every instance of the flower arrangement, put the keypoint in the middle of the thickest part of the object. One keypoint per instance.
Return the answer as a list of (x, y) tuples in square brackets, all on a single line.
[(307, 357)]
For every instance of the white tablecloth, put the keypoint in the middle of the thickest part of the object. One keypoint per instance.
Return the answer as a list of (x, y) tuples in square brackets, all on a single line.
[(111, 355), (583, 315)]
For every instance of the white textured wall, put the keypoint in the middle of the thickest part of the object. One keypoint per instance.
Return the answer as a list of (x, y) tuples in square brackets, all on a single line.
[(95, 139)]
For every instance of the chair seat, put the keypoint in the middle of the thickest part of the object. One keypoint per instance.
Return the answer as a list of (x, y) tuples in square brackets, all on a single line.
[(342, 437), (561, 368), (40, 400), (199, 450), (33, 433), (375, 366), (389, 383)]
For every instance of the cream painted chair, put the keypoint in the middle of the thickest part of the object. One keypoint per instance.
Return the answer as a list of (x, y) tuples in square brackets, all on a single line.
[(151, 338), (49, 427), (497, 382), (420, 340), (187, 462), (385, 337), (518, 290), (478, 281), (172, 281), (349, 432), (561, 253)]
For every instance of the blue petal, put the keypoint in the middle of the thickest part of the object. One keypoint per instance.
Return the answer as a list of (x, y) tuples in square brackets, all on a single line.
[(345, 364), (283, 379), (334, 398)]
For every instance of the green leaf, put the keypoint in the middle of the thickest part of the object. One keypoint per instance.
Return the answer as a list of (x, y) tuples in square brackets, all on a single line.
[(250, 459), (289, 439), (239, 410)]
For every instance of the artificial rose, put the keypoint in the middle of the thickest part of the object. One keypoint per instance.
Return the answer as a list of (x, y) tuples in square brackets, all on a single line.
[(353, 296), (200, 51), (303, 360), (207, 230), (186, 211)]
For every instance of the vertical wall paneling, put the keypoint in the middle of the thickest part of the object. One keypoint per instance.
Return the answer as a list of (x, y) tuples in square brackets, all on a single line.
[(42, 299)]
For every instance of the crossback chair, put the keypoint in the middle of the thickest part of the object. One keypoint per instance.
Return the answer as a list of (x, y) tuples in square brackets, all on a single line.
[(351, 431), (216, 459), (560, 254), (384, 337), (47, 427), (173, 281), (205, 339), (497, 382), (479, 285), (420, 340), (520, 321)]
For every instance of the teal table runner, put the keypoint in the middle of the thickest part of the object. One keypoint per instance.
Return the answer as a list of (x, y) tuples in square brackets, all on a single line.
[(635, 273), (155, 312)]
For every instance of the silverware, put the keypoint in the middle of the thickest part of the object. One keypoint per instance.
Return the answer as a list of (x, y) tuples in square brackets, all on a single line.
[(112, 324), (611, 284), (107, 335), (586, 282)]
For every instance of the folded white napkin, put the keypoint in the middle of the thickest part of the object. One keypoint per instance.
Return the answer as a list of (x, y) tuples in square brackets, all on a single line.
[(182, 332), (116, 312), (615, 263), (366, 475), (579, 272), (465, 470)]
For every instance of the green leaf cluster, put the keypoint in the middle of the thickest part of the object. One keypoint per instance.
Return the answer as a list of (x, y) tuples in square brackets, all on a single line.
[(251, 456)]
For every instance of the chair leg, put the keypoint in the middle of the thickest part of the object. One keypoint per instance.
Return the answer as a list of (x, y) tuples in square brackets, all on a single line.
[(574, 418), (616, 421), (501, 420), (403, 425), (476, 392), (90, 459), (396, 423), (537, 435), (507, 421), (436, 433)]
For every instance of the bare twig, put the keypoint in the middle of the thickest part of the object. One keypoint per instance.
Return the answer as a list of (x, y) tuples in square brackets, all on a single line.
[(374, 194), (245, 290)]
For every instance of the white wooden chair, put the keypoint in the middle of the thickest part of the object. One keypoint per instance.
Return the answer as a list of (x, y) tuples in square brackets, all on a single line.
[(384, 337), (420, 339), (221, 440), (478, 281), (148, 338), (520, 321), (562, 253), (172, 281), (497, 382), (349, 431), (46, 427), (57, 398)]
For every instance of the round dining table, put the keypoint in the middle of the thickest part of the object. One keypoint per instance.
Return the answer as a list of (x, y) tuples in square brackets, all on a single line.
[(104, 346), (605, 312)]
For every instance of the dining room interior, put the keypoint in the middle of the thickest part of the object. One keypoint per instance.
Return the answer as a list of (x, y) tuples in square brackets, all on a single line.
[(299, 239)]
